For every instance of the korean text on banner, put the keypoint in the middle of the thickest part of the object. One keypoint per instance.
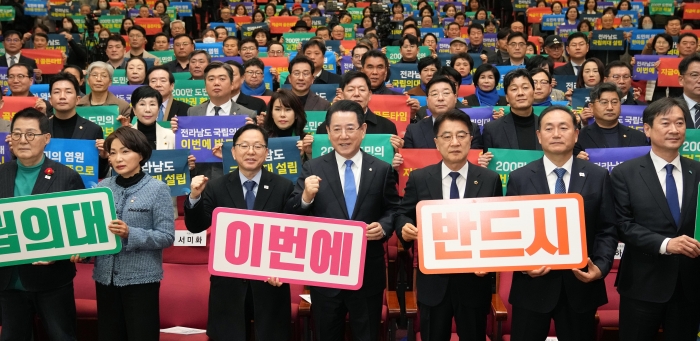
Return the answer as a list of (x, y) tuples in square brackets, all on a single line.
[(662, 7), (280, 25), (505, 161), (184, 9), (631, 116), (691, 11), (35, 8), (238, 248), (609, 158), (192, 92), (416, 158), (292, 40), (377, 145), (170, 167), (314, 119), (283, 157), (104, 116), (200, 134), (7, 13), (48, 61), (67, 223), (691, 145), (78, 155), (14, 104), (404, 75), (534, 14), (479, 115), (668, 72), (5, 154), (607, 40), (644, 67), (394, 108), (458, 235), (152, 26)]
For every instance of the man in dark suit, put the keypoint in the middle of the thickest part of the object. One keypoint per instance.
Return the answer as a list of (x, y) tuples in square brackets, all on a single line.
[(315, 50), (376, 66), (517, 42), (656, 200), (576, 49), (301, 77), (689, 69), (349, 184), (606, 131), (620, 73), (254, 188), (13, 51), (183, 45), (161, 79), (20, 78), (42, 287), (250, 102), (569, 297), (466, 297)]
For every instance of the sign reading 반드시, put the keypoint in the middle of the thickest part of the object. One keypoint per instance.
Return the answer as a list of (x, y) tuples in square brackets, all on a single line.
[(54, 226), (501, 234), (296, 249)]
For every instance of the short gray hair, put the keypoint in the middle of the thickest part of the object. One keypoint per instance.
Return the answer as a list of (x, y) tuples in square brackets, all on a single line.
[(101, 65), (177, 21)]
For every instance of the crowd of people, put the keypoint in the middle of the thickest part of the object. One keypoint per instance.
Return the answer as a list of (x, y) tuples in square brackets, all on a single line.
[(648, 203)]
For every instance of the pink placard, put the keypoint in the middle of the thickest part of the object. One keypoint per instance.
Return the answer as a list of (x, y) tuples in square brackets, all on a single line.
[(297, 249)]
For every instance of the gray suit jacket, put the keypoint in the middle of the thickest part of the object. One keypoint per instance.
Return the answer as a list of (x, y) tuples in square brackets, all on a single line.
[(236, 109), (4, 126), (315, 103)]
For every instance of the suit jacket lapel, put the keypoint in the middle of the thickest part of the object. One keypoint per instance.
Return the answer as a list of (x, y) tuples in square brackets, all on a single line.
[(333, 177), (648, 174), (235, 190), (367, 176), (168, 106), (265, 188), (538, 146), (539, 178), (7, 182), (311, 100), (42, 184), (434, 181), (79, 131), (576, 179), (426, 126), (509, 131), (595, 136), (473, 184)]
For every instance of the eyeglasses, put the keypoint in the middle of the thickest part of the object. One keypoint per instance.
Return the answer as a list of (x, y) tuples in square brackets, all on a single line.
[(254, 73), (28, 136), (248, 49), (181, 44), (443, 94), (301, 74), (18, 77), (692, 76), (605, 102), (617, 77), (348, 130), (461, 137), (13, 40), (520, 45), (256, 147), (540, 82)]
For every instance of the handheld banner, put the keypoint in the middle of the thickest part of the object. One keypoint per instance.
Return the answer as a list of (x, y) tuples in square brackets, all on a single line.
[(580, 98), (283, 157), (7, 13), (170, 167), (490, 41), (279, 25), (314, 119), (417, 158), (119, 77), (662, 7), (640, 37), (392, 52), (55, 226), (607, 40), (552, 21), (691, 11), (327, 252), (644, 67), (503, 71), (404, 75), (5, 154), (564, 83), (534, 14), (214, 49), (184, 9), (479, 115), (104, 116), (279, 63), (152, 26), (192, 92), (377, 145), (505, 161), (58, 12), (200, 134), (48, 61), (349, 31), (668, 72), (691, 145), (631, 116), (346, 64), (325, 91), (501, 234), (247, 29), (79, 155), (14, 104), (291, 40), (163, 56), (111, 22), (35, 8), (393, 108), (609, 158)]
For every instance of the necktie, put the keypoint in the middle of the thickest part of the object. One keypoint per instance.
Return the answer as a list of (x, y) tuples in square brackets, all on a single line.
[(454, 191), (578, 69), (13, 60), (672, 195), (696, 123), (249, 194), (349, 190), (559, 186), (161, 112), (216, 111)]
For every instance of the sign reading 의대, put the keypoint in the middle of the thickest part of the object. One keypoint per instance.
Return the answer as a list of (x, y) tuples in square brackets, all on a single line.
[(296, 249), (54, 226), (501, 234)]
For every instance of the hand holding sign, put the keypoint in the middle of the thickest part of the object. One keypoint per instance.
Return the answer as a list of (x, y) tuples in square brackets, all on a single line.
[(119, 228), (684, 245)]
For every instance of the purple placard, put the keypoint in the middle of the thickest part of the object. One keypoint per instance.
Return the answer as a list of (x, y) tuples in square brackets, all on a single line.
[(608, 158), (200, 134), (479, 115), (346, 63), (644, 69), (490, 41), (444, 45), (123, 91), (225, 59), (458, 5), (5, 155), (631, 116), (564, 30)]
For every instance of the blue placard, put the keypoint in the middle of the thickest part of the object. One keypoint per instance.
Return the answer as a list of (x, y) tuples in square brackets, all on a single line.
[(200, 134), (39, 90), (333, 46), (404, 75), (631, 116), (318, 21), (637, 6), (551, 21), (267, 77), (5, 154), (35, 8), (438, 32), (479, 115), (329, 62), (422, 100), (283, 157), (580, 98), (592, 18), (214, 49), (184, 9), (170, 166), (609, 158), (445, 59), (607, 40), (564, 30), (123, 91), (443, 45), (565, 82), (346, 64), (80, 155), (247, 29), (503, 70), (644, 67), (640, 38), (61, 11), (230, 27), (490, 41)]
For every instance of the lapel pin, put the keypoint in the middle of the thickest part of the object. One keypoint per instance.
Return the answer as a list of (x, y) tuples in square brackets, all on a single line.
[(81, 127), (370, 169), (132, 199), (266, 187), (476, 182), (624, 135), (48, 171), (582, 175)]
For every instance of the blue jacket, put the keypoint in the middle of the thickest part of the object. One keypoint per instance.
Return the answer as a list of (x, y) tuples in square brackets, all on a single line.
[(147, 210)]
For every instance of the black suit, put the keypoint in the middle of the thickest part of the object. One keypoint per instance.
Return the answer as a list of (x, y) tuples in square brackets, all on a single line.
[(565, 70), (252, 103), (501, 133), (473, 101), (667, 283), (22, 60), (689, 123), (420, 135), (559, 294), (227, 296), (327, 78), (591, 136), (48, 286), (177, 108), (377, 199), (438, 303), (173, 65), (85, 130), (631, 101)]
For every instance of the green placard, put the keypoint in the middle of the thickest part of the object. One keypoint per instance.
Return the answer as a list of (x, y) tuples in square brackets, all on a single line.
[(182, 76), (662, 7), (507, 160), (172, 13), (356, 13), (79, 22), (691, 145), (2, 48), (536, 109), (394, 54), (283, 76), (7, 13), (165, 57), (349, 31), (119, 77), (164, 124), (291, 40), (55, 226), (111, 22), (104, 116), (191, 92), (313, 120), (378, 145)]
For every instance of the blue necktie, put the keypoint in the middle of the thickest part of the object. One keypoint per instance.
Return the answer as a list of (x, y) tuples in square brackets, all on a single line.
[(672, 195), (249, 194), (559, 186), (454, 191), (161, 112), (349, 190)]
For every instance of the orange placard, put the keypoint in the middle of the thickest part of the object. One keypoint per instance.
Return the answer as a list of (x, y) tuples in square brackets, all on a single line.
[(362, 4), (464, 32), (348, 45), (117, 4), (466, 90), (695, 32), (280, 25), (417, 158), (11, 105), (534, 15), (535, 40), (516, 233), (152, 26), (668, 72), (393, 108), (50, 62), (558, 64), (243, 20), (691, 11), (279, 63), (264, 98), (128, 43)]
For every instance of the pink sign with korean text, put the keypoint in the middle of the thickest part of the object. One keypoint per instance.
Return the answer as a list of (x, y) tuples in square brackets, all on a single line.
[(296, 249)]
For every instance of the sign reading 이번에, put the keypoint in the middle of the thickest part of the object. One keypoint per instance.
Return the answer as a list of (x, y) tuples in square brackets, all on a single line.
[(501, 234), (296, 249), (54, 226)]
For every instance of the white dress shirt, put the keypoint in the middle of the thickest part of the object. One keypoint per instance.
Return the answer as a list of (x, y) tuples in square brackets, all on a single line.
[(552, 177), (255, 178), (7, 57), (660, 168), (691, 104), (574, 65), (447, 180), (225, 109), (356, 172), (235, 98)]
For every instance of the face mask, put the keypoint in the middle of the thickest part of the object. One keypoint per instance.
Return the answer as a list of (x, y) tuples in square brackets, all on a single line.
[(103, 6), (648, 26), (208, 40)]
